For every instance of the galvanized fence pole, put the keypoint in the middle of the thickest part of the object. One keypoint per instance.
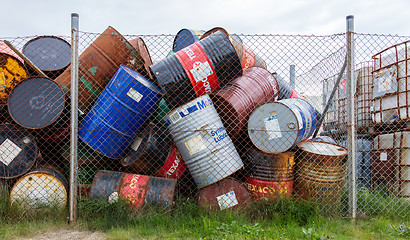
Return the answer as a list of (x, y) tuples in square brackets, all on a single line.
[(74, 116), (292, 78), (351, 128)]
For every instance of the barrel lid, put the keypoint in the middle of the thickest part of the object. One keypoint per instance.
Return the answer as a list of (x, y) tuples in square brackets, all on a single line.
[(273, 127), (141, 79), (36, 102), (49, 53), (18, 151), (322, 148), (186, 37)]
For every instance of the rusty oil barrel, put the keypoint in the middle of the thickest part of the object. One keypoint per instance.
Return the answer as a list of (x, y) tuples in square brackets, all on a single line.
[(39, 103), (278, 126), (236, 101), (143, 54), (137, 190), (320, 172), (12, 71), (186, 37), (203, 141), (51, 54), (42, 187), (119, 113), (269, 175), (197, 69), (228, 193), (98, 64), (247, 57), (18, 151)]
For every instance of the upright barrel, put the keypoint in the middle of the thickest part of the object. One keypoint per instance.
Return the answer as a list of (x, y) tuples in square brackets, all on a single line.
[(119, 113), (186, 37), (39, 103), (276, 127), (42, 187), (197, 69), (236, 101), (137, 190), (51, 54), (12, 71), (99, 62), (270, 175), (18, 151), (203, 141), (320, 172)]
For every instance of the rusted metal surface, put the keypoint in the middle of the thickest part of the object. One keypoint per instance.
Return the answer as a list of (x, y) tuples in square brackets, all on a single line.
[(236, 101), (51, 54), (322, 153), (18, 151), (247, 57), (137, 190), (225, 194), (12, 71), (270, 166), (142, 50), (324, 184), (149, 150), (203, 141), (268, 189), (42, 187), (97, 65)]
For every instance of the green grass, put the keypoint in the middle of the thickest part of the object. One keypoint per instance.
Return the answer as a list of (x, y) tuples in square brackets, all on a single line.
[(282, 219)]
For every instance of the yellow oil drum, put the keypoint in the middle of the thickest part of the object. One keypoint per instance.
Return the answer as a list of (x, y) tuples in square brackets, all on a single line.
[(41, 188), (12, 71)]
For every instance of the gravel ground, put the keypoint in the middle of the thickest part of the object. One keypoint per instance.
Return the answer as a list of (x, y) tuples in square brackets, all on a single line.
[(66, 234)]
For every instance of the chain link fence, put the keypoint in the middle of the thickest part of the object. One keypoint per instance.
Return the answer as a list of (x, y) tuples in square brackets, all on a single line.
[(223, 118)]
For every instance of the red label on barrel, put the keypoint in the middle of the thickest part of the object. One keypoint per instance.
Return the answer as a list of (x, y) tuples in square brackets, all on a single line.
[(265, 189), (199, 69), (294, 94), (134, 188), (248, 58), (174, 167)]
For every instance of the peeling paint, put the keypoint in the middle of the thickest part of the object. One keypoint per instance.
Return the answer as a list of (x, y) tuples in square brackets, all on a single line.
[(93, 70), (88, 85)]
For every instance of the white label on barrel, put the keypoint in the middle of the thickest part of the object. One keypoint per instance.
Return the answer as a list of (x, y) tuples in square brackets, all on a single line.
[(134, 94), (38, 197), (8, 151), (383, 156), (227, 200), (201, 70), (136, 144), (175, 117), (195, 145), (113, 197), (272, 127)]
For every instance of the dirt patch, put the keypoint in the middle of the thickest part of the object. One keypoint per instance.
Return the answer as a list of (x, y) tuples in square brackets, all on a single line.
[(67, 234)]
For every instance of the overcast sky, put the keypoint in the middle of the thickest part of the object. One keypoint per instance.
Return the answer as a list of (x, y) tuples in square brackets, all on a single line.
[(134, 17)]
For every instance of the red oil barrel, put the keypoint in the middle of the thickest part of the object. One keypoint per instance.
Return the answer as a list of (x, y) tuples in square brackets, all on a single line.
[(225, 194), (236, 101), (143, 59), (268, 189), (137, 190)]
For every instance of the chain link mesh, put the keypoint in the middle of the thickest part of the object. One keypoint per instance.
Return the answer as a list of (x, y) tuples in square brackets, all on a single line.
[(206, 115)]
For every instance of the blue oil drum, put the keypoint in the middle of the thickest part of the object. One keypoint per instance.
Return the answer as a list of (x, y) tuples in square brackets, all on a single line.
[(119, 113), (186, 37)]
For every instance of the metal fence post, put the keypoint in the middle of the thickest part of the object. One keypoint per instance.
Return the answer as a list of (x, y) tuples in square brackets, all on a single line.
[(351, 130), (74, 117), (292, 78)]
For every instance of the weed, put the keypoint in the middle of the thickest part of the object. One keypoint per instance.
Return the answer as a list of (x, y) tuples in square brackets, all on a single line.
[(400, 231)]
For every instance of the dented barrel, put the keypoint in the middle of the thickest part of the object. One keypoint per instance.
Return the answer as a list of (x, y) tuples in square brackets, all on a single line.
[(203, 141), (119, 113)]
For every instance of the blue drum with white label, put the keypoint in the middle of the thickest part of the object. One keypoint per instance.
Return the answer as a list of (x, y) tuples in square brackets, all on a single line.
[(120, 111), (276, 127), (203, 142)]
